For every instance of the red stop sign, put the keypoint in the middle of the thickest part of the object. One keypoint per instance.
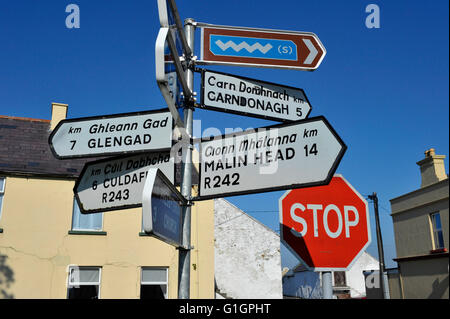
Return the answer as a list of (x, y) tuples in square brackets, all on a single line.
[(327, 227)]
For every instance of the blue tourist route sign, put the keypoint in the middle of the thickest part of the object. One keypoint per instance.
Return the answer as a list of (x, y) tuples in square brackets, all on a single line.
[(260, 47)]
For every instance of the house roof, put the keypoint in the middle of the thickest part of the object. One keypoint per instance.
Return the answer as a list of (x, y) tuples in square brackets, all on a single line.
[(247, 215), (24, 150), (300, 267)]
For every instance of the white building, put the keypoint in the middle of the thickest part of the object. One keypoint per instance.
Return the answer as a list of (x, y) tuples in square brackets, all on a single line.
[(301, 283), (247, 255)]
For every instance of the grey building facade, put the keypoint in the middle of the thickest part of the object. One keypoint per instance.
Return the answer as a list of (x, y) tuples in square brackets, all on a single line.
[(420, 220)]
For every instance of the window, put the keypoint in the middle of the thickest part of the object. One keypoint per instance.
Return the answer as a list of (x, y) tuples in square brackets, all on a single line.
[(2, 192), (89, 222), (438, 237), (154, 283), (339, 279), (84, 283)]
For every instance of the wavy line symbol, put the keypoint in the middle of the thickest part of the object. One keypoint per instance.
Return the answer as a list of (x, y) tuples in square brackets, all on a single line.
[(244, 45)]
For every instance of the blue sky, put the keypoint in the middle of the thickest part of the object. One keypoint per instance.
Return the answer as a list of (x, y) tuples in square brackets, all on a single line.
[(385, 91)]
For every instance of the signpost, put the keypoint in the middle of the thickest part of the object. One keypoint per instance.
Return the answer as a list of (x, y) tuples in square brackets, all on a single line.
[(326, 227), (298, 154), (260, 47), (162, 208), (112, 134), (165, 73), (302, 152), (234, 94), (113, 184), (171, 50), (169, 18)]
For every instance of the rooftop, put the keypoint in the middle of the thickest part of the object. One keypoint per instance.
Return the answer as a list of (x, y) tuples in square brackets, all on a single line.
[(24, 150)]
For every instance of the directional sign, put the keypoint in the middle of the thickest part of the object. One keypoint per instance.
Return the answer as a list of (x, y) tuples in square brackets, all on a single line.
[(285, 156), (112, 134), (169, 18), (162, 208), (327, 227), (260, 47), (168, 64), (113, 184), (229, 93)]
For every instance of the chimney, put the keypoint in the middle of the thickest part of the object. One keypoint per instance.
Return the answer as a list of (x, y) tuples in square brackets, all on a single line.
[(432, 168), (59, 112)]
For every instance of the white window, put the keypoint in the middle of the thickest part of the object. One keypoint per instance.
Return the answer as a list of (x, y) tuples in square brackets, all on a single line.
[(154, 282), (89, 222), (436, 226), (2, 193), (83, 282)]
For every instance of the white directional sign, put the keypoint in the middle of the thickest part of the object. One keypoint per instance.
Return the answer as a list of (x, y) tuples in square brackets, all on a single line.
[(230, 93), (167, 65), (171, 50), (118, 183), (112, 134), (170, 18), (285, 156)]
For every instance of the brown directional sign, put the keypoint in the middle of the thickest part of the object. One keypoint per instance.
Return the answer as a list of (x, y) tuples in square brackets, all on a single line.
[(260, 47)]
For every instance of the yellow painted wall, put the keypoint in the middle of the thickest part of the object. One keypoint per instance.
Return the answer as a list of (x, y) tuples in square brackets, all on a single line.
[(202, 256), (36, 219)]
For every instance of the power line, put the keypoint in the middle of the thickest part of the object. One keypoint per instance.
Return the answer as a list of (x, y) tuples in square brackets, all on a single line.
[(382, 207)]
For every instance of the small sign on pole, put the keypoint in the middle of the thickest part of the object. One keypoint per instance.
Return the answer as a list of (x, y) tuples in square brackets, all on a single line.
[(169, 18), (162, 208), (166, 54)]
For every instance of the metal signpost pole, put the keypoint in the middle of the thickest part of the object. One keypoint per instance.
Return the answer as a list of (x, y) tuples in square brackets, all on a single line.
[(186, 185), (327, 285)]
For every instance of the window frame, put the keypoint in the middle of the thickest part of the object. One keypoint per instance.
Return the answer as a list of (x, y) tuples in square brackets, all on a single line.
[(154, 283), (89, 230), (436, 231), (78, 284), (2, 195)]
